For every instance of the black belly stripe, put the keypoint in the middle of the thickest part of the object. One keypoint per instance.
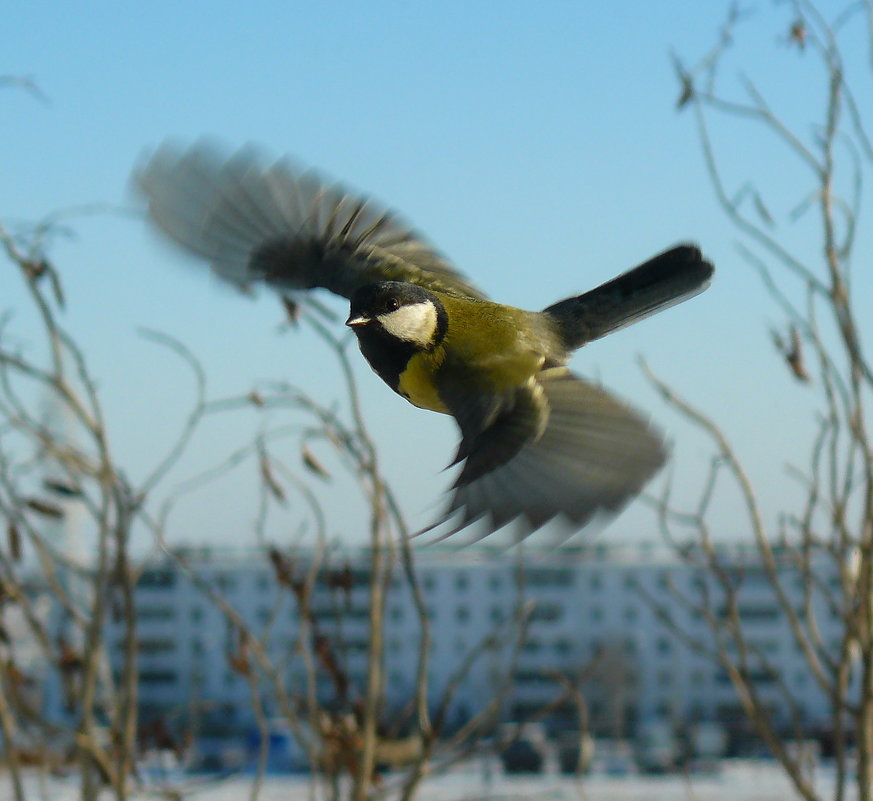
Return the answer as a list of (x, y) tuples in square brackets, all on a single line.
[(387, 355)]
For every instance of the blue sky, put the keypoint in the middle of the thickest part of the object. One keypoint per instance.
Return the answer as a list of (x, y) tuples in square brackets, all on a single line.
[(536, 144)]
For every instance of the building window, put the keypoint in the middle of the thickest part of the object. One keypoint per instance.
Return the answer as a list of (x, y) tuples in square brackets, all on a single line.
[(196, 613), (156, 578), (752, 612), (396, 613), (630, 613), (157, 645), (595, 582), (494, 582), (462, 613), (155, 612), (664, 645), (596, 613), (762, 675), (462, 581), (360, 577), (532, 676), (547, 612), (549, 577), (225, 582), (157, 677), (497, 616)]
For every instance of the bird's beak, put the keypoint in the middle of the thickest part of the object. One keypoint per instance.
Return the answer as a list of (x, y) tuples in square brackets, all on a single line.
[(359, 320)]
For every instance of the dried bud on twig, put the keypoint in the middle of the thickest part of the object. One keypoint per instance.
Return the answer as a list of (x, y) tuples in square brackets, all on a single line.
[(35, 269), (792, 351), (14, 540), (273, 485), (797, 34), (239, 661), (313, 464), (324, 654), (69, 660), (45, 508), (284, 569), (66, 488)]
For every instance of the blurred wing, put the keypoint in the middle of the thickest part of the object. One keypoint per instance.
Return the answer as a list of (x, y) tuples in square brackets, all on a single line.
[(256, 221), (594, 454), (494, 428)]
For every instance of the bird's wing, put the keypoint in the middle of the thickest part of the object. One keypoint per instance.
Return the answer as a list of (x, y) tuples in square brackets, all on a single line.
[(261, 221), (588, 457), (494, 427)]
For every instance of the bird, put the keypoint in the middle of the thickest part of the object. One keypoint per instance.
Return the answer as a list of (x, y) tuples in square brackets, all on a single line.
[(537, 442)]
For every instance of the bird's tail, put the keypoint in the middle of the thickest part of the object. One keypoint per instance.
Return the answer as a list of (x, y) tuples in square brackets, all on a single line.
[(661, 282)]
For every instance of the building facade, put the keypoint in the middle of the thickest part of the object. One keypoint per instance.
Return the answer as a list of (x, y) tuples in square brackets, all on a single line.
[(631, 627)]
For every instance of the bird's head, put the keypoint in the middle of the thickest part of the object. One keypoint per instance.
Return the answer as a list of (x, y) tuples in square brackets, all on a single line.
[(403, 311)]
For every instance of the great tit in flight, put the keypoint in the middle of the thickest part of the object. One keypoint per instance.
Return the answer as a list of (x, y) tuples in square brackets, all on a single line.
[(537, 442)]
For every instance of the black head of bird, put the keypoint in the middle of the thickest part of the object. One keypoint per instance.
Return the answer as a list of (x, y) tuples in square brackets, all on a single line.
[(537, 442), (404, 312)]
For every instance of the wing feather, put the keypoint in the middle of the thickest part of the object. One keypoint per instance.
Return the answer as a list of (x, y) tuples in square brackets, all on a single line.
[(259, 221), (593, 455)]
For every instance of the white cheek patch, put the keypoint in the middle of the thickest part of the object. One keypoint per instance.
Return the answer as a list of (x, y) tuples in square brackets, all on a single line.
[(414, 323)]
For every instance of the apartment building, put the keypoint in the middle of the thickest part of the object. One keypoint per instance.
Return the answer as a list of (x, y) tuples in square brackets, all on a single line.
[(626, 623)]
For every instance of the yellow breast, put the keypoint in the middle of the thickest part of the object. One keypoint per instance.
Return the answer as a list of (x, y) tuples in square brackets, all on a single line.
[(417, 382)]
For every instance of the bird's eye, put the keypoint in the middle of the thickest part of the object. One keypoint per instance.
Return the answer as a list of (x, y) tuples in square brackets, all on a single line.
[(393, 304)]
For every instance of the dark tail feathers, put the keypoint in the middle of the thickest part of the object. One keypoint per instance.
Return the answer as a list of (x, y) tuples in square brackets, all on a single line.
[(661, 282)]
